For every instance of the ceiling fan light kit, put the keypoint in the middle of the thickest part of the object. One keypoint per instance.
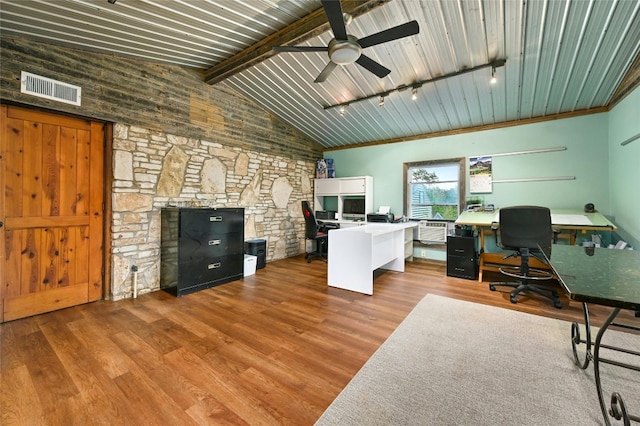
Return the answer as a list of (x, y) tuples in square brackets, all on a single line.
[(344, 52)]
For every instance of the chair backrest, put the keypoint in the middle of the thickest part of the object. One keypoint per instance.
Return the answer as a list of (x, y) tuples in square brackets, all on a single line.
[(311, 225), (526, 227)]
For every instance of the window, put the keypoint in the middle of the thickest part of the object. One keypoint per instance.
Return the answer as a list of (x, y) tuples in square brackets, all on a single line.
[(434, 189)]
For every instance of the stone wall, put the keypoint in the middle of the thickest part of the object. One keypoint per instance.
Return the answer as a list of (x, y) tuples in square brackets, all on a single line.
[(177, 140), (153, 170)]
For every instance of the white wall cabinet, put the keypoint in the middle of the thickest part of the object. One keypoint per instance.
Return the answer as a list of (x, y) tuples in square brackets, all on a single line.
[(343, 188)]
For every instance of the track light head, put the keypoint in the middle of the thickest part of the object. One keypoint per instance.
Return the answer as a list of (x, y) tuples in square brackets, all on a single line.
[(494, 79), (494, 65), (343, 109)]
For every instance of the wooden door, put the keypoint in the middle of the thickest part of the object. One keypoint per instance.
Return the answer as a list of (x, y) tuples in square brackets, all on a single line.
[(52, 171)]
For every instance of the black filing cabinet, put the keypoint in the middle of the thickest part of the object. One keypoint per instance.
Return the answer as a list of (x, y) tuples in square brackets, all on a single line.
[(461, 257), (200, 248)]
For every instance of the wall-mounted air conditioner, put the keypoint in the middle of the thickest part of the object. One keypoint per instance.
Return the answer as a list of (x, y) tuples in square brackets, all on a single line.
[(432, 232)]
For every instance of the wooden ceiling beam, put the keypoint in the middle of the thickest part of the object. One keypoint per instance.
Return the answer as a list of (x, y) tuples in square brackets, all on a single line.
[(300, 31)]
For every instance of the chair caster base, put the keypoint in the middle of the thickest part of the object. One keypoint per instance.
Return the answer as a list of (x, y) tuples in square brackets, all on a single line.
[(492, 287)]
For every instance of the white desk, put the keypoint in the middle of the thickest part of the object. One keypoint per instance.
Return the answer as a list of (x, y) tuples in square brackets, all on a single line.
[(355, 252)]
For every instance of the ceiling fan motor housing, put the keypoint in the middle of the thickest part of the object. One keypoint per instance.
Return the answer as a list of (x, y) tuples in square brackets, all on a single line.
[(343, 52)]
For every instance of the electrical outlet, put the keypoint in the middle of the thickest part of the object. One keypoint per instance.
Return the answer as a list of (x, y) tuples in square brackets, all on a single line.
[(423, 253)]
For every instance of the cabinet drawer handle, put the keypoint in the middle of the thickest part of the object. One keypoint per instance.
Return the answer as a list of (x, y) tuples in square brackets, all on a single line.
[(214, 265), (214, 242), (215, 218), (459, 250), (459, 269)]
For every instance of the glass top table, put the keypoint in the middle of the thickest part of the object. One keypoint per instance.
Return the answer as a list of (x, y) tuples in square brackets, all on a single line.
[(598, 275), (606, 277)]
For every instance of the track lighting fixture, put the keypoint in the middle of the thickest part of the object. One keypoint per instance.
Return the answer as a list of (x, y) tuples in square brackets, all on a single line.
[(415, 86), (343, 109)]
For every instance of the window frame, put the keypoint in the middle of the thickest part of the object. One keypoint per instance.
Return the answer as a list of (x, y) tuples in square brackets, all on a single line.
[(462, 179)]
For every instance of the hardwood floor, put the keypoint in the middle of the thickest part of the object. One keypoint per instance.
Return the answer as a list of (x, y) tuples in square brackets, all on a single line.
[(274, 348)]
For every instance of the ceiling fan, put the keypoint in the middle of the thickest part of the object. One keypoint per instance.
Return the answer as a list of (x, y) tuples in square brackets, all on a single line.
[(346, 49)]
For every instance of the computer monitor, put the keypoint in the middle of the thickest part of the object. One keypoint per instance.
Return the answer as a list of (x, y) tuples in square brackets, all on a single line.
[(353, 208)]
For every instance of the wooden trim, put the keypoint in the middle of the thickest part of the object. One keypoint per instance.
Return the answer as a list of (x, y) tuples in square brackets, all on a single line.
[(45, 117), (3, 138), (312, 25), (107, 213), (629, 83), (96, 210), (472, 129)]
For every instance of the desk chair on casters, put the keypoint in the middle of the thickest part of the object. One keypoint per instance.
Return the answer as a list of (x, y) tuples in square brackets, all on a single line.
[(314, 231), (527, 231)]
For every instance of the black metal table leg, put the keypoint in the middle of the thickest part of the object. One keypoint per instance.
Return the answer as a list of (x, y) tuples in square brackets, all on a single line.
[(618, 410), (576, 340)]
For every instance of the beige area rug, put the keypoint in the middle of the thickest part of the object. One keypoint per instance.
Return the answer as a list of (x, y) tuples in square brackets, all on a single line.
[(452, 362)]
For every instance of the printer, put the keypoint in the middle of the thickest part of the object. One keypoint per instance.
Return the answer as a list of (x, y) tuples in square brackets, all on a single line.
[(380, 217)]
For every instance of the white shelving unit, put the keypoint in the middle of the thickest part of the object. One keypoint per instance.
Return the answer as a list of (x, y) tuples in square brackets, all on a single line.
[(343, 188)]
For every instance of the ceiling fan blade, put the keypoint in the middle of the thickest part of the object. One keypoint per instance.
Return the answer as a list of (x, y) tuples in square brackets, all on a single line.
[(300, 48), (404, 30), (333, 9), (371, 65), (325, 72)]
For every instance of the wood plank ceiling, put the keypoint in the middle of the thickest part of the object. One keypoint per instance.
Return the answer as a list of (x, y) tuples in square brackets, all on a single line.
[(560, 56)]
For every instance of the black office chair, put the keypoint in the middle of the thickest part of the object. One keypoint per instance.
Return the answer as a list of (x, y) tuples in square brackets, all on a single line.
[(527, 231), (316, 232)]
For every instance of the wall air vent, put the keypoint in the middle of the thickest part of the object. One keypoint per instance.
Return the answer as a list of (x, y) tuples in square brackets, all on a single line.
[(44, 87)]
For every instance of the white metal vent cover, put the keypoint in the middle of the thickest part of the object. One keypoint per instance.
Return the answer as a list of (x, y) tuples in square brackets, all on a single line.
[(48, 88)]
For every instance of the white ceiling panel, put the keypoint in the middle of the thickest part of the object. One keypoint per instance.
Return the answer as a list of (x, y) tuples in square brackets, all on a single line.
[(561, 56)]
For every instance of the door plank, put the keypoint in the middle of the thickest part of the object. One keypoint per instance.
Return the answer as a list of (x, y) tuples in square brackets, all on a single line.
[(38, 303), (83, 170), (30, 250), (67, 257), (82, 254), (96, 209), (49, 259), (51, 172), (13, 167), (68, 179), (45, 117), (12, 272), (44, 222), (31, 171)]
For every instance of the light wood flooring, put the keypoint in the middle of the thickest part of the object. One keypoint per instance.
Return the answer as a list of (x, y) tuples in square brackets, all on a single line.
[(274, 348)]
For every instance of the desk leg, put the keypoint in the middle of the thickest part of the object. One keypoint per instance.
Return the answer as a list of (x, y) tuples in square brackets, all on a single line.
[(481, 255), (617, 410), (576, 340)]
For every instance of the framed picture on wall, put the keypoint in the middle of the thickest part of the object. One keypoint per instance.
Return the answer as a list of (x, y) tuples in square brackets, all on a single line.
[(480, 176)]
